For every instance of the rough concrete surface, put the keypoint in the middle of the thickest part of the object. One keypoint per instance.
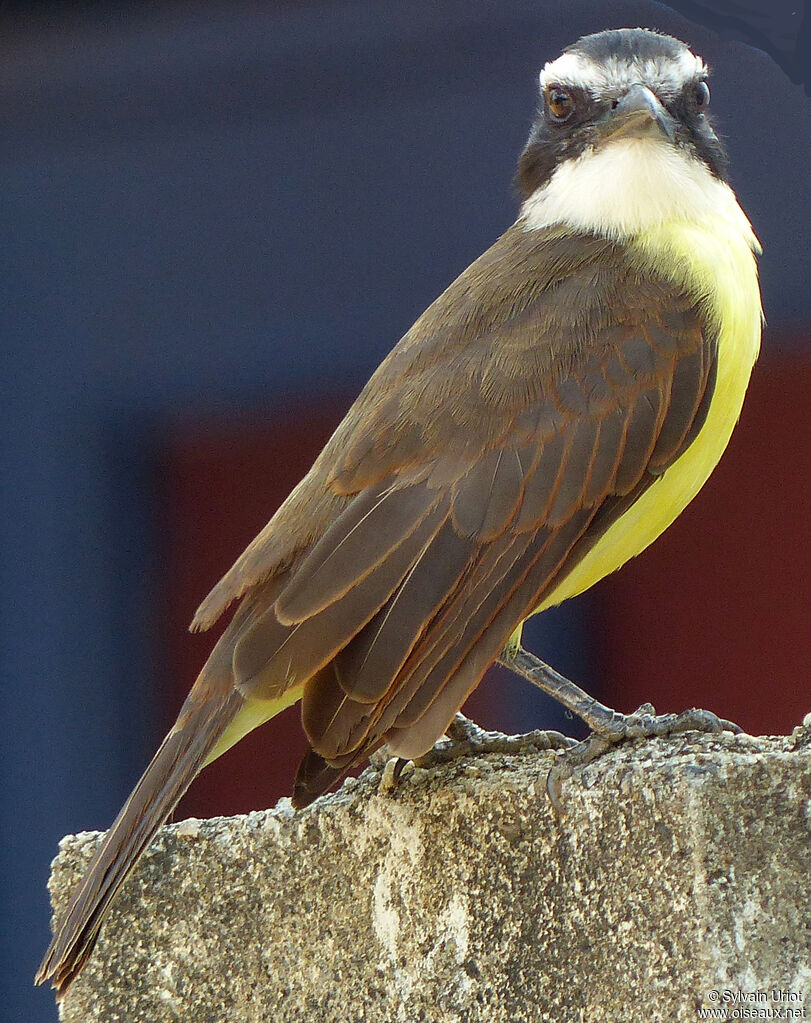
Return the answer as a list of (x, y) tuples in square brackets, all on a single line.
[(678, 873)]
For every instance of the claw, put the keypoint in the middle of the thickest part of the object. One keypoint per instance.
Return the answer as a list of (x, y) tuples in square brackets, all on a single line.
[(390, 778)]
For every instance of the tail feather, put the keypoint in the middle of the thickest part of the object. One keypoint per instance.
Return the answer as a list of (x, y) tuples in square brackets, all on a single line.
[(315, 776), (181, 756)]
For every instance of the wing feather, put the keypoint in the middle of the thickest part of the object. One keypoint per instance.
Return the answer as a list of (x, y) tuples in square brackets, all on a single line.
[(542, 485), (367, 664), (640, 439), (571, 490), (424, 677), (270, 652), (486, 497), (375, 523), (607, 454), (414, 730)]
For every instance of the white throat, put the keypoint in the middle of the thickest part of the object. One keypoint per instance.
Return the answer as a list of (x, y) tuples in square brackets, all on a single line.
[(629, 187)]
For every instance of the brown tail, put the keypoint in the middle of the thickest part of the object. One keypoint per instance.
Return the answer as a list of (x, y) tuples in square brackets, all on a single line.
[(201, 722)]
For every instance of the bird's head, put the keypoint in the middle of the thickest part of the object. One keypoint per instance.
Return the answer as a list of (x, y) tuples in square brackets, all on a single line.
[(623, 115)]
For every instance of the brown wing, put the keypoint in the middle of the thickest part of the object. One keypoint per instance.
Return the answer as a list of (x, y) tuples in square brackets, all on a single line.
[(482, 460)]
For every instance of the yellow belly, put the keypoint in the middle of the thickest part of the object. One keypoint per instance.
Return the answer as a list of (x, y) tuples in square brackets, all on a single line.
[(716, 258)]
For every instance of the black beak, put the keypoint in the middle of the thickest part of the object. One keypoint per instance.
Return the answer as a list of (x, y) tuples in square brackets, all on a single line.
[(637, 114)]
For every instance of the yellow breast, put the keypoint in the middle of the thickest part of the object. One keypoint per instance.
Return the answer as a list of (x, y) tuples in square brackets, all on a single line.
[(716, 257)]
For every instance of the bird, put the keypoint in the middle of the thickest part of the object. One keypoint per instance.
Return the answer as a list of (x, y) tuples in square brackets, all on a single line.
[(543, 421)]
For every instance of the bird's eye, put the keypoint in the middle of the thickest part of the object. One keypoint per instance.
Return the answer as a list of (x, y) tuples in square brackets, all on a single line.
[(702, 97), (559, 102)]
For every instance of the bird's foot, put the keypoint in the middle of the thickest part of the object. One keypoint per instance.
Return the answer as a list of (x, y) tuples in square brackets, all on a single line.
[(465, 738), (644, 723), (607, 726)]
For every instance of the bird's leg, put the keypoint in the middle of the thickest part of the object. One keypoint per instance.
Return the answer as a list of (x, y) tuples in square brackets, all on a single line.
[(608, 726), (601, 719)]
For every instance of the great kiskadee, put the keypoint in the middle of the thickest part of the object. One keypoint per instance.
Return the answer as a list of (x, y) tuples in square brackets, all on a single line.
[(541, 423)]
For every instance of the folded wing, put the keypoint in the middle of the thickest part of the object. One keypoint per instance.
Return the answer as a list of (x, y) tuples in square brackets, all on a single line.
[(473, 475)]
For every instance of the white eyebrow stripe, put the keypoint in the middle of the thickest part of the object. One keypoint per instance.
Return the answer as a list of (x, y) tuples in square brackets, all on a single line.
[(569, 67), (605, 77)]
